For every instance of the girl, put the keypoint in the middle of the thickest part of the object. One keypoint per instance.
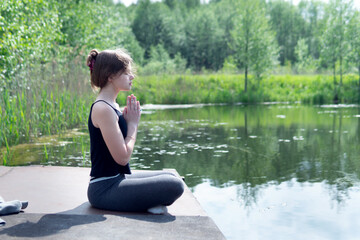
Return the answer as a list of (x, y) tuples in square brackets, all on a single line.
[(112, 140)]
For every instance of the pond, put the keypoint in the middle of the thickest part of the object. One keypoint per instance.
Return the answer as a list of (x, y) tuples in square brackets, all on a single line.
[(270, 171)]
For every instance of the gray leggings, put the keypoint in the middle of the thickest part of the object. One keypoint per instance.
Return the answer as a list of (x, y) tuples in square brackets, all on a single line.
[(136, 192)]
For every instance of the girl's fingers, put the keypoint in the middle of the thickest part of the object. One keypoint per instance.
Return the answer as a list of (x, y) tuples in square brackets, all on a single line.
[(138, 106), (132, 104)]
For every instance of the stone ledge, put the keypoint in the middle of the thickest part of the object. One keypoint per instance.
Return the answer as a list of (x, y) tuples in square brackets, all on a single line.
[(53, 189)]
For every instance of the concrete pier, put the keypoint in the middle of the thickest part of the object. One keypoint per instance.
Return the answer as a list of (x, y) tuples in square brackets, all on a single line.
[(59, 209)]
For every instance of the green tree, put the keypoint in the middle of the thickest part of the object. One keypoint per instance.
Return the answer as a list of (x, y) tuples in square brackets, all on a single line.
[(148, 25), (85, 27), (353, 35), (204, 40), (29, 33), (305, 61), (191, 3), (253, 42), (312, 11), (289, 25), (225, 12), (173, 36), (335, 46), (160, 62)]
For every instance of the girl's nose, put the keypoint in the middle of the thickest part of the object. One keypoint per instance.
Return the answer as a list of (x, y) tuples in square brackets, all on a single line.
[(131, 77)]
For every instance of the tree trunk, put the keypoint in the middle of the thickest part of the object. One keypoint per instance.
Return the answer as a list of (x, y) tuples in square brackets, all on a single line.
[(245, 121), (336, 97), (246, 77), (340, 84), (359, 84), (334, 74), (359, 76)]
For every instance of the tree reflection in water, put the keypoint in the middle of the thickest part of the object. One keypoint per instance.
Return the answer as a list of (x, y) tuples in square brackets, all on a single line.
[(254, 146)]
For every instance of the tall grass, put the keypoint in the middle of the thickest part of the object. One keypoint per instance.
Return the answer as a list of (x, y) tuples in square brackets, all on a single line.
[(27, 114), (43, 99)]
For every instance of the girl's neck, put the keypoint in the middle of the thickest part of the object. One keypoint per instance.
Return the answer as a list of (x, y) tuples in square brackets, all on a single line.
[(107, 94)]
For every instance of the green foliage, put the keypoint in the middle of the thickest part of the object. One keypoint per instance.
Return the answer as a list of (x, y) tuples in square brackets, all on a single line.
[(314, 24), (353, 34), (229, 65), (289, 25), (149, 25), (204, 40), (91, 24), (161, 63), (305, 62), (252, 39), (229, 88), (335, 46), (29, 33)]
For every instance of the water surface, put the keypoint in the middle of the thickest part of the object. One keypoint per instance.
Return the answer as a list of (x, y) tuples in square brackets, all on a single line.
[(261, 172)]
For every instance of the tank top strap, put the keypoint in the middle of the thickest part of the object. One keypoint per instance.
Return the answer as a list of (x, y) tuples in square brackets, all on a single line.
[(116, 110)]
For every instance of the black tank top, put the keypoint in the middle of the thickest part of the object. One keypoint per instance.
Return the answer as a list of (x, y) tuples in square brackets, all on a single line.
[(102, 163)]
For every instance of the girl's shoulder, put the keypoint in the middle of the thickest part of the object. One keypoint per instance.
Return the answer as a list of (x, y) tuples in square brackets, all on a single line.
[(103, 112), (106, 104)]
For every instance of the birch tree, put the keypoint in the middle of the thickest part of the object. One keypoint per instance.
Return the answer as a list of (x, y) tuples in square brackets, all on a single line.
[(353, 36), (335, 46), (253, 42)]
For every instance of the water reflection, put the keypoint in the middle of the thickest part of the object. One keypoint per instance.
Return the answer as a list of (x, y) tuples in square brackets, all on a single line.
[(267, 164), (289, 210)]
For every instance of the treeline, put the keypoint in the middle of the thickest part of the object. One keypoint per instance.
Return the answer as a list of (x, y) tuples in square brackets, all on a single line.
[(44, 41)]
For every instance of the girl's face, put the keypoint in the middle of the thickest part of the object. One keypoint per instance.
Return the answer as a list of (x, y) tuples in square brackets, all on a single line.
[(123, 80)]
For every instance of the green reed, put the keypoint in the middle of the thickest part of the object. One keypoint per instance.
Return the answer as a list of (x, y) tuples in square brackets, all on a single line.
[(46, 153), (7, 153), (27, 115), (83, 150)]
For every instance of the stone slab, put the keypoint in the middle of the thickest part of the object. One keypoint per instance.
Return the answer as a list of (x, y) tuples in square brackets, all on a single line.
[(53, 189), (59, 209)]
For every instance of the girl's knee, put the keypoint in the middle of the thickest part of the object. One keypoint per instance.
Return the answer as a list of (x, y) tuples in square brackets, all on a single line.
[(178, 187)]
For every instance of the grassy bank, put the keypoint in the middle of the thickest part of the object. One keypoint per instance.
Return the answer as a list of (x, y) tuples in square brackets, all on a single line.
[(50, 110), (218, 88)]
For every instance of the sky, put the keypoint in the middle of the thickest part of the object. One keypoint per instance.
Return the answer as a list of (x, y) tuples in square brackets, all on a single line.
[(129, 2), (356, 2)]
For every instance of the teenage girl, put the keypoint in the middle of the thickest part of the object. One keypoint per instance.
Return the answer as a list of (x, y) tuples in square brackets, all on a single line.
[(112, 139)]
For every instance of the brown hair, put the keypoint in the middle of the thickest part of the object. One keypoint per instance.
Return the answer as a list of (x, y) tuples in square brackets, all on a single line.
[(106, 63)]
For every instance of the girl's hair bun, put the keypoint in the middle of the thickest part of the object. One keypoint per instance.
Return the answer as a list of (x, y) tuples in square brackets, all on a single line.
[(94, 53), (90, 62), (92, 57)]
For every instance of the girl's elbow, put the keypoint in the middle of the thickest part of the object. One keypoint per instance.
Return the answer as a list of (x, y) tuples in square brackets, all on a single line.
[(122, 160)]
